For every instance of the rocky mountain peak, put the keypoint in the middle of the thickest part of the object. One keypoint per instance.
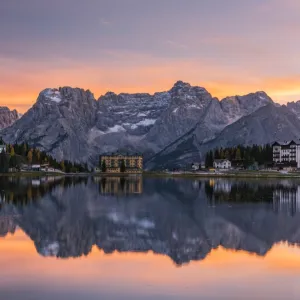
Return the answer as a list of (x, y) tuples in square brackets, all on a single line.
[(181, 84), (50, 95), (237, 106), (65, 94), (7, 117), (181, 88), (109, 95), (294, 107), (70, 93)]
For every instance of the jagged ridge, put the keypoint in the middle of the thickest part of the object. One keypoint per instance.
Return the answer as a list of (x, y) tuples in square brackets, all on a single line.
[(71, 124)]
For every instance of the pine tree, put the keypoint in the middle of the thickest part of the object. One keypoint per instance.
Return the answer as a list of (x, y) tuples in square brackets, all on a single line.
[(217, 154), (12, 151), (4, 164), (30, 156), (222, 154), (238, 155), (12, 161), (207, 160), (227, 154), (123, 166), (103, 166), (38, 156), (24, 150), (211, 159)]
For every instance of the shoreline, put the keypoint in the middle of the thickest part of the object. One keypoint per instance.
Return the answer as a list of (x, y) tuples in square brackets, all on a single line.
[(253, 174), (225, 175)]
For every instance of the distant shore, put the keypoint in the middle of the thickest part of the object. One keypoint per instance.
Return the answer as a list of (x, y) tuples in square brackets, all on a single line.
[(237, 174)]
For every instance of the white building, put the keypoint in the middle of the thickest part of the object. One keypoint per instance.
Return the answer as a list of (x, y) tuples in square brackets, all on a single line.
[(222, 164), (286, 154), (196, 166), (2, 146)]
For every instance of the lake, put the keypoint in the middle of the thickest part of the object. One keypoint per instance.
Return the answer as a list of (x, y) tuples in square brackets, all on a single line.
[(149, 238)]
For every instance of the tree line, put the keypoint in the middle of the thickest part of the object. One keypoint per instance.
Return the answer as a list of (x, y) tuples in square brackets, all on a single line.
[(245, 155), (18, 154)]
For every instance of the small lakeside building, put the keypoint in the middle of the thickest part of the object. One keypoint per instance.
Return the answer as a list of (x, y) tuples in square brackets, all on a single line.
[(224, 164)]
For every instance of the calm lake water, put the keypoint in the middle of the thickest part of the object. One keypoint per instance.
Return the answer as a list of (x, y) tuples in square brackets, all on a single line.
[(135, 238)]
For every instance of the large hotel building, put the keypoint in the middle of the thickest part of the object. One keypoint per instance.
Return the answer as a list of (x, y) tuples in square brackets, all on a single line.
[(133, 163), (286, 154)]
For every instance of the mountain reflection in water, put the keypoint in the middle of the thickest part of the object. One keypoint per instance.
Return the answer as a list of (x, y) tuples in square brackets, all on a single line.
[(182, 219)]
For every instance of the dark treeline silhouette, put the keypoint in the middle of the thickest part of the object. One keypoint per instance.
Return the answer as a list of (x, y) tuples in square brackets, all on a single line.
[(246, 156), (21, 191), (18, 154), (242, 192)]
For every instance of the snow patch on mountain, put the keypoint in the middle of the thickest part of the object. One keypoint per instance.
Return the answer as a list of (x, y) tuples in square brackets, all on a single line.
[(53, 95), (120, 218), (146, 122), (52, 249), (194, 106), (142, 114), (115, 129)]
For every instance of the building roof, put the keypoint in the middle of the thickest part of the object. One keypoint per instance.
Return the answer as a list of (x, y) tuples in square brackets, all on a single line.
[(221, 160), (116, 154), (286, 143)]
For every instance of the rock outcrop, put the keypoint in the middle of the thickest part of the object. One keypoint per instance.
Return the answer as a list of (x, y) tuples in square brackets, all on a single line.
[(7, 117)]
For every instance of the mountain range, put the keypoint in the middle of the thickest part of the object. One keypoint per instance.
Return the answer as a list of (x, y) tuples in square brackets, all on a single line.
[(171, 129)]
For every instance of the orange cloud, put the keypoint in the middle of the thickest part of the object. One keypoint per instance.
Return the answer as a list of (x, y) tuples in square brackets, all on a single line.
[(129, 72)]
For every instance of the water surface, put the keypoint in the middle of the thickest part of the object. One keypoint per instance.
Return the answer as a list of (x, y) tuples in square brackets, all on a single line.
[(135, 238)]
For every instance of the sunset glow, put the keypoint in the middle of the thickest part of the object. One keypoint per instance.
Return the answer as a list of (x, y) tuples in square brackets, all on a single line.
[(92, 45), (108, 271)]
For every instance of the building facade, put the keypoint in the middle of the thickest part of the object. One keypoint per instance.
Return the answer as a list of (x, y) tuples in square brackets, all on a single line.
[(286, 154), (2, 146), (120, 185), (222, 164), (115, 162)]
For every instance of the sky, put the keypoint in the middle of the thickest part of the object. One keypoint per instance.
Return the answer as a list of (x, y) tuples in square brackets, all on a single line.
[(230, 47)]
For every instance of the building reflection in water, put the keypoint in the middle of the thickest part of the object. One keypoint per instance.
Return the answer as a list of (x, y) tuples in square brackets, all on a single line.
[(120, 185), (287, 200), (284, 194)]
